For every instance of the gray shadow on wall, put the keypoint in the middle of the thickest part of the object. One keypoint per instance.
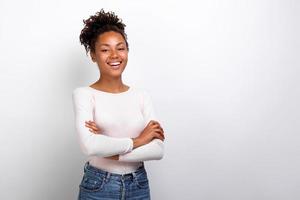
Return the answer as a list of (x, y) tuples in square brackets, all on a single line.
[(62, 163)]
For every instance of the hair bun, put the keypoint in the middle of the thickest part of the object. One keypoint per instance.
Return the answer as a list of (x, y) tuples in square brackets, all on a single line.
[(99, 23)]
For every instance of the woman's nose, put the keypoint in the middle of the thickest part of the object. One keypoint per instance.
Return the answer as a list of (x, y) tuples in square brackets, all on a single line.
[(113, 54)]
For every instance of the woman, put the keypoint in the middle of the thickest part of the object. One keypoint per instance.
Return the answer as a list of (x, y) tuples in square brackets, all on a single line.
[(116, 123)]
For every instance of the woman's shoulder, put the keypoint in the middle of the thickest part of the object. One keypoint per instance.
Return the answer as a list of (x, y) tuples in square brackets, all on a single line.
[(81, 90), (143, 93)]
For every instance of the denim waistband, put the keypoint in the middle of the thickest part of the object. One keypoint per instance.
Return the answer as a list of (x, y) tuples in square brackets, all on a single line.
[(99, 172)]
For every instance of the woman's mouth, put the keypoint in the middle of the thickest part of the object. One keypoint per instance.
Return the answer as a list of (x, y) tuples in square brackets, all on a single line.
[(115, 65)]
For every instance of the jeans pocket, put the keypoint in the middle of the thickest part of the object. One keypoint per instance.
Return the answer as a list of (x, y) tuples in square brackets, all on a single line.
[(92, 183), (142, 181)]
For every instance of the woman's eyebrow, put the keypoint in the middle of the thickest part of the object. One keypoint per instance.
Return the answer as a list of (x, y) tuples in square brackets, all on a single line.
[(109, 45)]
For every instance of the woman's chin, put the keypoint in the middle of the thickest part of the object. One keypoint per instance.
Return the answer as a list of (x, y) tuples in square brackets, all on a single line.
[(116, 73)]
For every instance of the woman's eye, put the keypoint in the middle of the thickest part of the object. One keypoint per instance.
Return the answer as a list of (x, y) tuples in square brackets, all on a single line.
[(104, 50), (121, 49)]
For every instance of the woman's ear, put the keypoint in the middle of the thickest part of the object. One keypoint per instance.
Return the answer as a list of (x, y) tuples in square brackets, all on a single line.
[(92, 54)]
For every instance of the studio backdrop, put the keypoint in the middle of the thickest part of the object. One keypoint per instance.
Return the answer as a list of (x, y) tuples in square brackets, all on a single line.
[(223, 76)]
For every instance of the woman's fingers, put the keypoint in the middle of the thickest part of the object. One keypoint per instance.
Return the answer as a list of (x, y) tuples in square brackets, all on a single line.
[(159, 136), (160, 132), (153, 122), (92, 126), (156, 124), (93, 131), (158, 128)]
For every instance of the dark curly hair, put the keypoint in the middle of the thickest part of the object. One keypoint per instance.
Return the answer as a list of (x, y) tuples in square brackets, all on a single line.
[(97, 24)]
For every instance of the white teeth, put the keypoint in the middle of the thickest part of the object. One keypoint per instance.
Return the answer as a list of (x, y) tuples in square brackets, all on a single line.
[(115, 63)]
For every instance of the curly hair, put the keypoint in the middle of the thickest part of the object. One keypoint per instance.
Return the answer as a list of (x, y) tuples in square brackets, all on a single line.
[(97, 24)]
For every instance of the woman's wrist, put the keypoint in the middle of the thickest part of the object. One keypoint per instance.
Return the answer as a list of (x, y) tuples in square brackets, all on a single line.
[(136, 142)]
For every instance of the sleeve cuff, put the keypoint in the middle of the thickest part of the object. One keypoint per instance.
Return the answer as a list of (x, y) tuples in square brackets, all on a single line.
[(130, 146)]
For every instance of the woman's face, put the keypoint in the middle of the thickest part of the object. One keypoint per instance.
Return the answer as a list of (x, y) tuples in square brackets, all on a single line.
[(111, 54)]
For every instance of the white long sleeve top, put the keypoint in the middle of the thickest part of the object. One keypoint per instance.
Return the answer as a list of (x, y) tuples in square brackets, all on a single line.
[(120, 117)]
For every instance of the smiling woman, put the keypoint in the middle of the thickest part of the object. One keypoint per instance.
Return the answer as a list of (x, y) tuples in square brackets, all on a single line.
[(116, 124), (110, 53)]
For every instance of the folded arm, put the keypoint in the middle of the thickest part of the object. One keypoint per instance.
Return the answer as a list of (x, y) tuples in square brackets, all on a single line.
[(153, 150), (90, 143)]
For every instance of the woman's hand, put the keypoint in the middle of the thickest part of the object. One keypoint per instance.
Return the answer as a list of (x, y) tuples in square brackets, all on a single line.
[(151, 131), (115, 157), (93, 127)]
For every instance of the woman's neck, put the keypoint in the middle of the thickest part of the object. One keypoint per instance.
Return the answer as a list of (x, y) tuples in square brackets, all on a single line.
[(110, 85)]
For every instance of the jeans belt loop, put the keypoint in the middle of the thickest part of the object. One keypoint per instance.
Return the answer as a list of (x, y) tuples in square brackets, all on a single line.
[(107, 176), (134, 175), (85, 166)]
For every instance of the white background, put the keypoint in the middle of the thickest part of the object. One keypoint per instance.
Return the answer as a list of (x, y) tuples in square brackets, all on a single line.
[(223, 75)]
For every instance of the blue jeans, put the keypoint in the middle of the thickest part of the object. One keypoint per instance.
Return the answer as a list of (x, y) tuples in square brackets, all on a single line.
[(97, 184)]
